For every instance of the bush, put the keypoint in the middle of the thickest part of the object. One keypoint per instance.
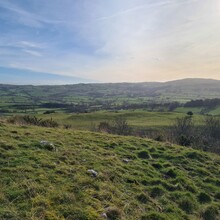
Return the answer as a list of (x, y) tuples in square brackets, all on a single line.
[(183, 140), (67, 126), (212, 127), (121, 127), (104, 127), (182, 131), (32, 120), (190, 113), (49, 112)]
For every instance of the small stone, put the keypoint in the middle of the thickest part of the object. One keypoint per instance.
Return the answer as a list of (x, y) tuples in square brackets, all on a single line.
[(49, 146), (126, 160), (93, 172), (104, 215)]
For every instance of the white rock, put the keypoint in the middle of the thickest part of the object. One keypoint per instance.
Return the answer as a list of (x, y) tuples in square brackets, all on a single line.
[(93, 172), (104, 215), (126, 160)]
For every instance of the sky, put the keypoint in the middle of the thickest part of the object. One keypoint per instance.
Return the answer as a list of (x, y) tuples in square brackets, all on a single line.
[(109, 40)]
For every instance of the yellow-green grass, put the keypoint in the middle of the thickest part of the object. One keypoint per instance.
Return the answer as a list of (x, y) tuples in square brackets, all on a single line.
[(158, 181), (195, 110), (215, 111), (137, 118)]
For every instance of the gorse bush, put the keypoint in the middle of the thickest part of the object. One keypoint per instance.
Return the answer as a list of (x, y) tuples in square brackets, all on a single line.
[(33, 120), (119, 126)]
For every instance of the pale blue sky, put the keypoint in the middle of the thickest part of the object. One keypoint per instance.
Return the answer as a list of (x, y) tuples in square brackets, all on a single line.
[(112, 40)]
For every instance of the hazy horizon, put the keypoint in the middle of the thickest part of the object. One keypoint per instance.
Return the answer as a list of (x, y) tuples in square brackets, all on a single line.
[(47, 42)]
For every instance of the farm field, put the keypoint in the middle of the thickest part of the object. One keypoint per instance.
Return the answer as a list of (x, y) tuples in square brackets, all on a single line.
[(137, 118)]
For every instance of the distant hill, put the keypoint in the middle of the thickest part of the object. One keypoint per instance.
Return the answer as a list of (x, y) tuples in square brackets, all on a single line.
[(186, 89), (180, 90)]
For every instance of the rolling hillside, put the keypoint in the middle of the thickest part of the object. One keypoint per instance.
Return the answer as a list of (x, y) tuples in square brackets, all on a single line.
[(180, 90), (65, 174)]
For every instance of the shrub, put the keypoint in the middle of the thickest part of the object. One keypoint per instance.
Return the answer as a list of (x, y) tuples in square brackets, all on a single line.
[(190, 113), (204, 198), (210, 213), (48, 123), (182, 130), (212, 127), (32, 120), (121, 126), (104, 127), (49, 112), (183, 140), (67, 126)]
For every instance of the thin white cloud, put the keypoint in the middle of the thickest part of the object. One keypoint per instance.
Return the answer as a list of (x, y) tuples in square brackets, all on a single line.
[(26, 17), (134, 9), (30, 44), (32, 52)]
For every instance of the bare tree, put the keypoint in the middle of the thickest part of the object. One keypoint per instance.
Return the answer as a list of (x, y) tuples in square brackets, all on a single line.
[(183, 130), (121, 126)]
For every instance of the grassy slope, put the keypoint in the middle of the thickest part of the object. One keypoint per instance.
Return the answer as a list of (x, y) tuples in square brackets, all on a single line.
[(37, 183)]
